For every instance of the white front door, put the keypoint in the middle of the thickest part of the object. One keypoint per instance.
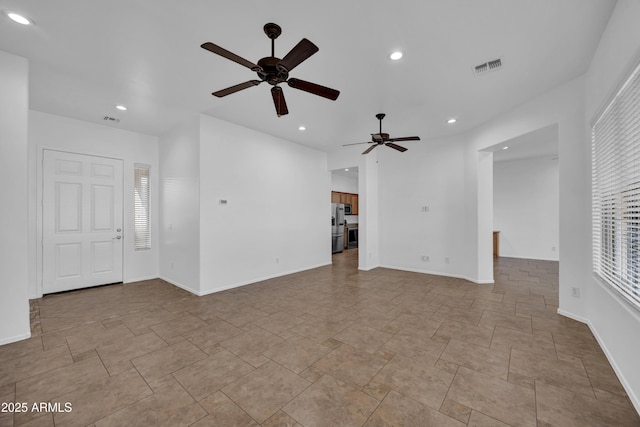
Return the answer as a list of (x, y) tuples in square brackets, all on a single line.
[(82, 221)]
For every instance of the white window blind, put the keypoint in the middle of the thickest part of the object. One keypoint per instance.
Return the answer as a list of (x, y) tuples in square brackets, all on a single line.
[(616, 192), (141, 207)]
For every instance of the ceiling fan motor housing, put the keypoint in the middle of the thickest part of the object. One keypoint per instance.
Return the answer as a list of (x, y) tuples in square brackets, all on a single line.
[(380, 137), (270, 72)]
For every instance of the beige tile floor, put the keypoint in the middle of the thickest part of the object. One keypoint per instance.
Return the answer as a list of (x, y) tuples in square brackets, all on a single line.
[(333, 346)]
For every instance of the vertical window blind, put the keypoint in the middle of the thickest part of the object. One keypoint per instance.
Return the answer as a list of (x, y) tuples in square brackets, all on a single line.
[(615, 155), (141, 207)]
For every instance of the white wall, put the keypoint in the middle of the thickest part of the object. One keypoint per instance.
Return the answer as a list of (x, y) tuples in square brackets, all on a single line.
[(526, 207), (430, 177), (276, 219), (14, 107), (614, 323), (344, 184), (47, 131), (180, 206)]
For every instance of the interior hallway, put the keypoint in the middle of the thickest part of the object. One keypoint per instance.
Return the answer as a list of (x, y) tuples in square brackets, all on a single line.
[(331, 346)]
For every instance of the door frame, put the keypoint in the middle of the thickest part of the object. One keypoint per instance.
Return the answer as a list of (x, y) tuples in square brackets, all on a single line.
[(40, 212)]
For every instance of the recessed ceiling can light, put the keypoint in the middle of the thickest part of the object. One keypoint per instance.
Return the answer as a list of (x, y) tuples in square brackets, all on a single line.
[(121, 107), (451, 121), (505, 148), (302, 127), (395, 55), (20, 19), (346, 170)]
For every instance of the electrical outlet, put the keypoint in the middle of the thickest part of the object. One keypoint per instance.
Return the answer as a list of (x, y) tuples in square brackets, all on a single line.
[(424, 209), (425, 258), (575, 292), (172, 266), (446, 260), (277, 260), (553, 248)]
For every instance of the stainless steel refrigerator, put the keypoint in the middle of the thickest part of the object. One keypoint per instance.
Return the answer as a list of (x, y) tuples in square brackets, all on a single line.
[(337, 227)]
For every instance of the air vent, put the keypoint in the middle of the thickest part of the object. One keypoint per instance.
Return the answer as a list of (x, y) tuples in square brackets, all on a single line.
[(487, 67), (111, 119)]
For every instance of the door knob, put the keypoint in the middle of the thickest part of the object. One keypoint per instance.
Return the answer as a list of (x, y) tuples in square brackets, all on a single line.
[(117, 237), (118, 230)]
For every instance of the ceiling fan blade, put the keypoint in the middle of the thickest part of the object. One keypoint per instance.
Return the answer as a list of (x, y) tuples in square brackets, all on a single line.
[(300, 52), (368, 150), (230, 55), (356, 143), (406, 138), (236, 88), (396, 147), (278, 101), (313, 88)]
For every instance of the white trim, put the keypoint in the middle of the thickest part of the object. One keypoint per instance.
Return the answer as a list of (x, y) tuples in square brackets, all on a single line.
[(633, 397), (243, 283), (15, 338), (140, 279), (573, 316), (437, 273), (528, 257), (630, 392), (179, 285), (624, 303)]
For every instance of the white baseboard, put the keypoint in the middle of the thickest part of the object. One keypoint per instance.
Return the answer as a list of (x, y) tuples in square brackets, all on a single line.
[(140, 279), (439, 273), (260, 279), (179, 285), (15, 338), (633, 397), (242, 283)]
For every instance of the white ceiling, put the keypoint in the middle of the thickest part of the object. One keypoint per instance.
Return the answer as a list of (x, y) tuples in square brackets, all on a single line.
[(86, 57)]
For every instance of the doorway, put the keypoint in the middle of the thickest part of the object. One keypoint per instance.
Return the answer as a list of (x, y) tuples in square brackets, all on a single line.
[(524, 193), (82, 221), (345, 201)]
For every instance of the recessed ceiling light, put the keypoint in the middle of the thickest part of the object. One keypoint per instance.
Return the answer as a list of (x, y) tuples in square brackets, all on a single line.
[(504, 148), (395, 55), (16, 17), (121, 107), (302, 127), (346, 170), (451, 121)]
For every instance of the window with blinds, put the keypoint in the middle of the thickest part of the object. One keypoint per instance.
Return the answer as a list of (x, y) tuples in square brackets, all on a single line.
[(141, 207), (616, 192)]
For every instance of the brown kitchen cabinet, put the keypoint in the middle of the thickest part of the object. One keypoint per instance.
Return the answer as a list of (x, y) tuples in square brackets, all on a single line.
[(346, 199)]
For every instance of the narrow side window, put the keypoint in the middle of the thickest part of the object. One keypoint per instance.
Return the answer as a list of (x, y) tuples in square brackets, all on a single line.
[(141, 207)]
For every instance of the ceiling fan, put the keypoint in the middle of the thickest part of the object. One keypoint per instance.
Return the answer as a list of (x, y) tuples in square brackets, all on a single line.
[(275, 70), (383, 139)]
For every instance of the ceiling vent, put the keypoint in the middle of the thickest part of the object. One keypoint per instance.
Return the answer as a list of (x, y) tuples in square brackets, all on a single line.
[(111, 119), (487, 67)]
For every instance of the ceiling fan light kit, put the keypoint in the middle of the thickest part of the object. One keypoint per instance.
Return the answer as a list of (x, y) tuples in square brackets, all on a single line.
[(275, 71), (381, 138)]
